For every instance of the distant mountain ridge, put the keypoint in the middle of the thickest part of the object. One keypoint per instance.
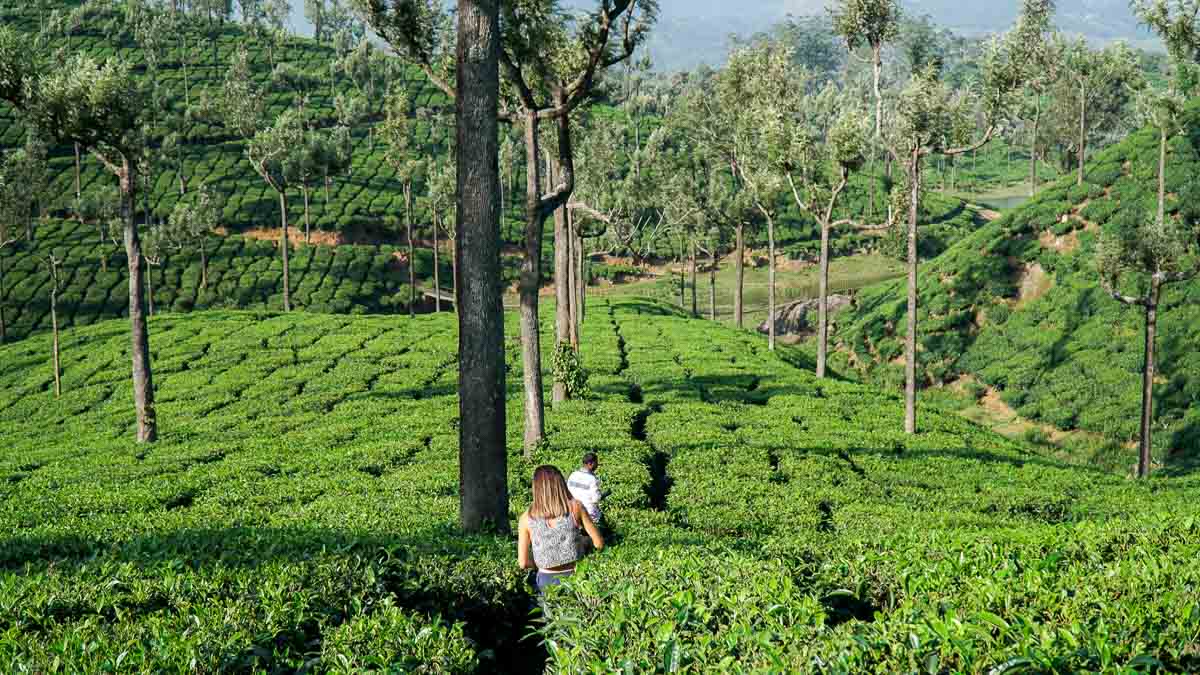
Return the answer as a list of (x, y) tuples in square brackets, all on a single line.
[(691, 32)]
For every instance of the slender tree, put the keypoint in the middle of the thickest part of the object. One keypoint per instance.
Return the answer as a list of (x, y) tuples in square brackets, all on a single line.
[(1036, 31), (101, 107), (53, 263), (932, 119), (192, 222), (1149, 254), (1097, 80), (818, 171), (403, 156), (273, 152)]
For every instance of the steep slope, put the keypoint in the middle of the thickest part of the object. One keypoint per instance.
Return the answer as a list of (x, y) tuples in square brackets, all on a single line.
[(366, 197), (299, 513), (1018, 305), (243, 273)]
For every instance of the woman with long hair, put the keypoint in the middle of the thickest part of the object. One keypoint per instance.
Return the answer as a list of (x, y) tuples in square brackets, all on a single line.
[(550, 530)]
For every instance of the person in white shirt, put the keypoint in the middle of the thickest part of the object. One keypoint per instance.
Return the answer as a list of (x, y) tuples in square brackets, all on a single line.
[(585, 487)]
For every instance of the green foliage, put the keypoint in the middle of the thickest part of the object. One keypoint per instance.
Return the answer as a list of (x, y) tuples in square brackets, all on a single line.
[(243, 273), (1067, 353), (569, 371), (762, 519)]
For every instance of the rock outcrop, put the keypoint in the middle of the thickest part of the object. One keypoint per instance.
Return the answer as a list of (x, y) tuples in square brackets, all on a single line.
[(800, 317)]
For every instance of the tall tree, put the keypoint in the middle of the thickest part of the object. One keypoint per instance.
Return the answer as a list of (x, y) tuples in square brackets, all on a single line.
[(1035, 30), (931, 118), (192, 222), (483, 477), (818, 169), (759, 79), (1096, 81), (1138, 257), (404, 157), (870, 24), (101, 107), (273, 152)]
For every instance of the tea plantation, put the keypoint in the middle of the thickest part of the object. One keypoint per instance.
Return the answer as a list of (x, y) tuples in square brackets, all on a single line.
[(243, 273), (299, 513), (1018, 305)]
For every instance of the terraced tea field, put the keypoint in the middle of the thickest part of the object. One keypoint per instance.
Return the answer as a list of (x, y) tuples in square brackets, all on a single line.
[(300, 512)]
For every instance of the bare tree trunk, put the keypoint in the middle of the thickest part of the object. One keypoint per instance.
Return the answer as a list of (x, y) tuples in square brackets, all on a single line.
[(149, 289), (3, 323), (453, 269), (304, 190), (284, 249), (412, 252), (143, 382), (54, 328), (1162, 177), (910, 344), (575, 274), (692, 273), (823, 303), (530, 280), (203, 265), (78, 192), (712, 284), (770, 281), (682, 282), (437, 267), (1144, 442), (739, 267), (483, 460), (562, 289), (1082, 134)]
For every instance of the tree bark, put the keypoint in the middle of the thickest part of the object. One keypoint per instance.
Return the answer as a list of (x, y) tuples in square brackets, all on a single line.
[(577, 281), (284, 249), (530, 280), (54, 328), (412, 251), (823, 303), (562, 289), (143, 382), (712, 284), (437, 267), (910, 344), (149, 289), (304, 191), (1144, 442), (1082, 134), (203, 265), (78, 192), (483, 460), (1033, 147), (3, 322), (770, 281), (1162, 176), (692, 274), (739, 267)]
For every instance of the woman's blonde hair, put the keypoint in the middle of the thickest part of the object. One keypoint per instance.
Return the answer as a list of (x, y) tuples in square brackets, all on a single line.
[(551, 499)]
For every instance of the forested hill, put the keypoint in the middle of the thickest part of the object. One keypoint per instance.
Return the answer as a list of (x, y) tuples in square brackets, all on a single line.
[(1018, 305), (691, 32)]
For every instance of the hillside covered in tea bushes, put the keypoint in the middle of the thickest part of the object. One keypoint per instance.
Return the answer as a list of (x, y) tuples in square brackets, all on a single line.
[(243, 273), (1019, 306), (300, 513)]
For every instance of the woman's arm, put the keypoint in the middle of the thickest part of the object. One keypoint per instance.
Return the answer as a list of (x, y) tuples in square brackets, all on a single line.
[(590, 528), (523, 558)]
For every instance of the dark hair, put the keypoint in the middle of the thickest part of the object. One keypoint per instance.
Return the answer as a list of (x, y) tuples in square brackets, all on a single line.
[(589, 458)]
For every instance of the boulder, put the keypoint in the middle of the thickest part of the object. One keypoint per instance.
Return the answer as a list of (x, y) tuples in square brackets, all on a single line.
[(800, 317)]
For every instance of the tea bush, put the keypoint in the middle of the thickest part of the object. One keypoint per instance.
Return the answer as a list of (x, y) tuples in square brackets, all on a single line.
[(299, 512)]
